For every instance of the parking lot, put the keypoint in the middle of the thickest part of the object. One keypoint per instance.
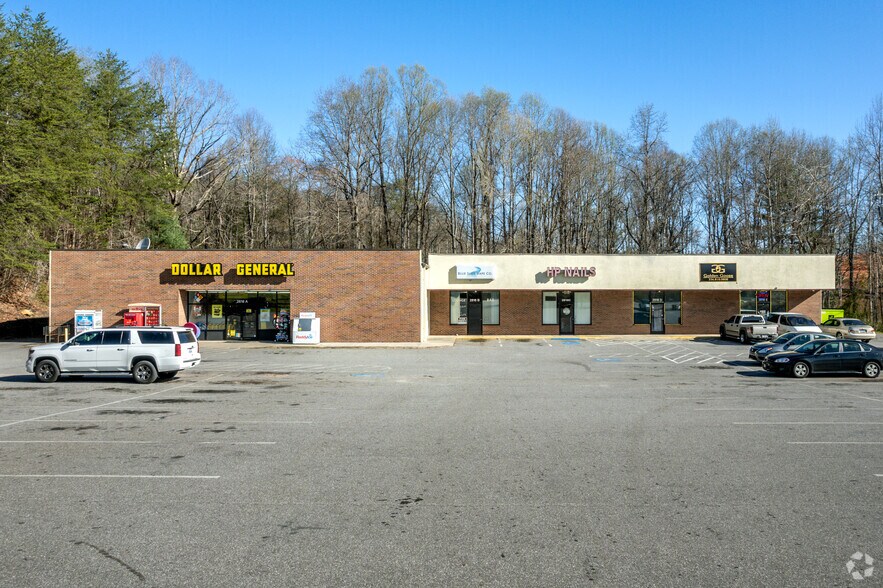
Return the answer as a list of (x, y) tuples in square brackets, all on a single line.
[(495, 462)]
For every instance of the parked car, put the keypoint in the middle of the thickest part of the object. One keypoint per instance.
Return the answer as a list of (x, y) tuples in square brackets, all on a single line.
[(147, 353), (793, 321), (784, 342), (747, 327), (827, 356), (849, 328)]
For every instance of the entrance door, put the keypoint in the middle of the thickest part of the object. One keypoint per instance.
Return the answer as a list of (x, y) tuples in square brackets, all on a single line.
[(565, 313), (249, 323), (473, 313), (657, 317)]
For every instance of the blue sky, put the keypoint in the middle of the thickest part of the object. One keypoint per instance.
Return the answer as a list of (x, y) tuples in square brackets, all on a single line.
[(814, 66)]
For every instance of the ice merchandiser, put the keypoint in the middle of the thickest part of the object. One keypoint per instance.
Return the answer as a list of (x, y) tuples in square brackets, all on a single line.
[(143, 314)]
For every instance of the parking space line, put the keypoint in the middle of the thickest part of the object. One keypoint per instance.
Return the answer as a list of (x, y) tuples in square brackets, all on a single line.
[(46, 416), (81, 441), (107, 476), (835, 442), (810, 423), (237, 443), (709, 358), (788, 408), (183, 421)]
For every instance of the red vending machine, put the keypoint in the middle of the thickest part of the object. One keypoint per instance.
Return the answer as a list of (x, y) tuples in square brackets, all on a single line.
[(146, 313), (133, 319)]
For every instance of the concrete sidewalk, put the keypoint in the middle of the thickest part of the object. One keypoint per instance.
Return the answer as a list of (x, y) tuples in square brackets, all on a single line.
[(437, 341)]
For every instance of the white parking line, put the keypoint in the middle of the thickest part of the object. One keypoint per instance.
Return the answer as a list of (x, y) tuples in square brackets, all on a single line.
[(185, 421), (879, 475), (811, 423), (46, 416), (82, 441), (237, 443), (709, 358), (790, 408), (835, 442), (106, 476)]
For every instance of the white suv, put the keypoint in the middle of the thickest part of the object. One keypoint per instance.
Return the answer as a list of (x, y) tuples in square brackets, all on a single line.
[(147, 353), (787, 322)]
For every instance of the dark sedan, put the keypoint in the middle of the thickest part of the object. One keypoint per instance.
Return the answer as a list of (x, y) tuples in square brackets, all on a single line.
[(827, 356), (783, 342)]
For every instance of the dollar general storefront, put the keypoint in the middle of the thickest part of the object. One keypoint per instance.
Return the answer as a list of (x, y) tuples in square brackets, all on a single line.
[(360, 296), (617, 294)]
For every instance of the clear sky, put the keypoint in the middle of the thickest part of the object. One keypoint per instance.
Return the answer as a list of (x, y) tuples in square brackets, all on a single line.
[(814, 66)]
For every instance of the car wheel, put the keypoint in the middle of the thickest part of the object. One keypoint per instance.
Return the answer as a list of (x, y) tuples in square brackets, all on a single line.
[(872, 370), (168, 375), (144, 372), (839, 335), (46, 371), (800, 369), (743, 339), (723, 333)]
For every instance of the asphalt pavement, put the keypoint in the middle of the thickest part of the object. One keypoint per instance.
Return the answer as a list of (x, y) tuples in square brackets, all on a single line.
[(491, 462)]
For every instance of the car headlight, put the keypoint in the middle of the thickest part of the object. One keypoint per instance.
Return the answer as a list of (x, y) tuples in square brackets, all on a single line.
[(782, 360)]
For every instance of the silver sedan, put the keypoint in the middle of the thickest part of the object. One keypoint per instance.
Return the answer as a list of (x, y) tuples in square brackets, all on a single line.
[(849, 328)]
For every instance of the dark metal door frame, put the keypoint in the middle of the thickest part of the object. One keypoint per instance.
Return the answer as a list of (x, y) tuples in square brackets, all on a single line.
[(565, 313), (473, 313)]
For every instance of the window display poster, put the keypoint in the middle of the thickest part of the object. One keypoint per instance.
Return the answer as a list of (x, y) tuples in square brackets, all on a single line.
[(217, 310)]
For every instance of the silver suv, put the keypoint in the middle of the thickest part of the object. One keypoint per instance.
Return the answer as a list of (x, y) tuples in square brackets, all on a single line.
[(147, 353)]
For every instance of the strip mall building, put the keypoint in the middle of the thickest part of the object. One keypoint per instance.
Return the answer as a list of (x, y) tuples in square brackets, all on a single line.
[(389, 296)]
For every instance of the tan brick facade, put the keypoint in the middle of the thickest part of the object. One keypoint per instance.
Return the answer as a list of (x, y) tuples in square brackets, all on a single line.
[(702, 312), (361, 296)]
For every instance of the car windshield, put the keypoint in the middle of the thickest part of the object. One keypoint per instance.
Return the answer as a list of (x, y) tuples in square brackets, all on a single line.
[(801, 321), (786, 337), (752, 319), (853, 323)]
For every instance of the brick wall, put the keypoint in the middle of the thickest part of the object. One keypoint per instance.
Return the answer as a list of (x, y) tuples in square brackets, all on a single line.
[(702, 312), (361, 296)]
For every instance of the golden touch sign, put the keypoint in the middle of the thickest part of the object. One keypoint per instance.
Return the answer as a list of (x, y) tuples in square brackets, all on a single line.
[(242, 269)]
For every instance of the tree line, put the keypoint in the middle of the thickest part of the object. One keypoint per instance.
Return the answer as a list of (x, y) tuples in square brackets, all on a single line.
[(94, 153)]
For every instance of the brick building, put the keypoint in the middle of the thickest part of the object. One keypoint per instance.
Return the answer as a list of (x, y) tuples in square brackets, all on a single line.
[(389, 296), (617, 294), (359, 296)]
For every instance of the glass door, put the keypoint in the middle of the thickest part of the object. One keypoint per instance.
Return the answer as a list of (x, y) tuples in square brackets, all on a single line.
[(234, 326), (657, 317)]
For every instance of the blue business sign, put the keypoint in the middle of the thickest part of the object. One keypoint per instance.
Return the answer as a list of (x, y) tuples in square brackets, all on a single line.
[(485, 271)]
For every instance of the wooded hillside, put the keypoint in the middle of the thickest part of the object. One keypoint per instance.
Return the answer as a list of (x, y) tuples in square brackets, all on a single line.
[(95, 153)]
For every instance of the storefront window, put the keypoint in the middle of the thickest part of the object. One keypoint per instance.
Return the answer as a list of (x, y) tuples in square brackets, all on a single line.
[(763, 301), (748, 302), (490, 308), (672, 307), (249, 314), (458, 308), (582, 308), (779, 301), (642, 307), (550, 308)]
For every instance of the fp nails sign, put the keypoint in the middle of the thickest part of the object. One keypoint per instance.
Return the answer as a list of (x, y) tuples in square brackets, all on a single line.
[(570, 272)]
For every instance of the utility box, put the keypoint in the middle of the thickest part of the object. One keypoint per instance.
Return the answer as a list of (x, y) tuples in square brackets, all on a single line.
[(306, 329)]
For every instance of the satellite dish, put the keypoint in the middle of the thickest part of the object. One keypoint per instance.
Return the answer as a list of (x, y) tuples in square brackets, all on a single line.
[(143, 243)]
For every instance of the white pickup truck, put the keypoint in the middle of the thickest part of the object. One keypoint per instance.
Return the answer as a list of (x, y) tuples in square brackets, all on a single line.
[(748, 328)]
